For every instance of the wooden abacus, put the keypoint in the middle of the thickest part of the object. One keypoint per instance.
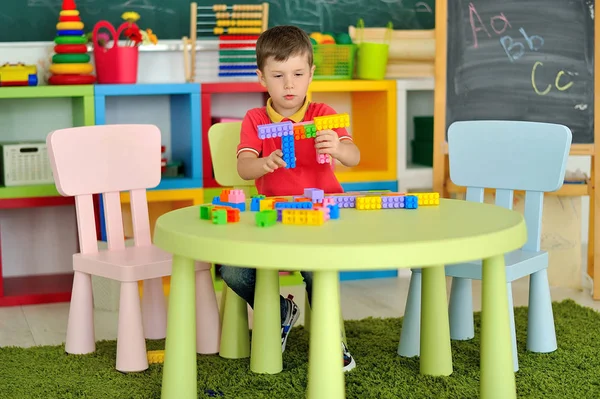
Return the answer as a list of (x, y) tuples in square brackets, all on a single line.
[(238, 27)]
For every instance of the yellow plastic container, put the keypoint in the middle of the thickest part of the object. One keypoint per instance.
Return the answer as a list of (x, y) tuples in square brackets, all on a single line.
[(372, 58)]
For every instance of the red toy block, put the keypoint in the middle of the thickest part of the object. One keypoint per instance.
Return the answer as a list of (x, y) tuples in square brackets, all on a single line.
[(233, 215)]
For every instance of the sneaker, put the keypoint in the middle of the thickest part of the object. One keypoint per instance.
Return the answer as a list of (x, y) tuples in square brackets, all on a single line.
[(349, 362), (293, 313)]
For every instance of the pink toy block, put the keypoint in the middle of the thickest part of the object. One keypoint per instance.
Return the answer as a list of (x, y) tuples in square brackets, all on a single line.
[(323, 158), (237, 196), (328, 201), (315, 194)]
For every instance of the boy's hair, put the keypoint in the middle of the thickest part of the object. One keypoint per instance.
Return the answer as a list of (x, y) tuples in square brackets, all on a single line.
[(282, 42)]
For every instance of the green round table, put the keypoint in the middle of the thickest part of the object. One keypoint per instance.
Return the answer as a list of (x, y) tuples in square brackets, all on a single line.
[(428, 237)]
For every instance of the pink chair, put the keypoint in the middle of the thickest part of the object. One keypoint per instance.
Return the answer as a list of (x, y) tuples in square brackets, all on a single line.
[(107, 160)]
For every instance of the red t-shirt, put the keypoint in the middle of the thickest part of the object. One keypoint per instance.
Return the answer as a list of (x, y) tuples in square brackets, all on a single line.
[(308, 173)]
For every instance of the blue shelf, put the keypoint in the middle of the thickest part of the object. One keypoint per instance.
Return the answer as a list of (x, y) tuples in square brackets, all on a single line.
[(186, 140)]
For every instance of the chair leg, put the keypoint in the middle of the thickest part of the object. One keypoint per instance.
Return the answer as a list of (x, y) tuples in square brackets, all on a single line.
[(541, 335), (80, 326), (222, 302), (131, 345), (307, 314), (462, 327), (208, 326), (154, 309), (513, 331), (235, 334), (410, 336)]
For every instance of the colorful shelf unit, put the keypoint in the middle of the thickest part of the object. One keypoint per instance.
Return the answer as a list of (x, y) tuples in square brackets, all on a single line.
[(373, 126), (208, 90), (28, 290)]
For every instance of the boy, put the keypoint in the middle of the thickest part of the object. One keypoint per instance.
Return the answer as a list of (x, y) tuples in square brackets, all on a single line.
[(284, 58)]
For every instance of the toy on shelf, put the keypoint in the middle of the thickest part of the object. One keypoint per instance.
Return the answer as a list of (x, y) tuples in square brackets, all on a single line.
[(238, 27), (289, 132), (170, 169), (18, 75), (70, 63)]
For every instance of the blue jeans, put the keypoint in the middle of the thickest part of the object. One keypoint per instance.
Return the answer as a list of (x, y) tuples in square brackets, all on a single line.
[(242, 281)]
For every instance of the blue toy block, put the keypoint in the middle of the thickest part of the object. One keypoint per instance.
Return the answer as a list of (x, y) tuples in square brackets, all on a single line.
[(255, 204), (411, 202), (294, 205), (289, 151), (241, 206), (334, 211)]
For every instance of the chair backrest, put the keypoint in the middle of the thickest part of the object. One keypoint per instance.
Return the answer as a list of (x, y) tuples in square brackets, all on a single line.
[(508, 156), (223, 139), (106, 160)]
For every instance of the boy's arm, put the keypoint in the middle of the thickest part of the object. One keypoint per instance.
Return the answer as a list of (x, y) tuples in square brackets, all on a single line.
[(348, 153), (250, 164), (338, 143)]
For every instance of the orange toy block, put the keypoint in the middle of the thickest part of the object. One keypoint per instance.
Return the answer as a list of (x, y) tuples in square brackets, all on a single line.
[(224, 197)]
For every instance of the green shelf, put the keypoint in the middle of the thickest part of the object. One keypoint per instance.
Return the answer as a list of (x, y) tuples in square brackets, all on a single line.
[(47, 91), (42, 190)]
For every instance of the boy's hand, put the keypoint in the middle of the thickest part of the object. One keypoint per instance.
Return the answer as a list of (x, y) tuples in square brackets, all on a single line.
[(327, 142), (274, 161)]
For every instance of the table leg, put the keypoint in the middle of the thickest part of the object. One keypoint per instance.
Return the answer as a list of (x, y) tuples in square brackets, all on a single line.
[(179, 372), (325, 374), (265, 355), (436, 354), (497, 375)]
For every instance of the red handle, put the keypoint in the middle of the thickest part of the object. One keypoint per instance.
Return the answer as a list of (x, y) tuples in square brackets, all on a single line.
[(115, 34)]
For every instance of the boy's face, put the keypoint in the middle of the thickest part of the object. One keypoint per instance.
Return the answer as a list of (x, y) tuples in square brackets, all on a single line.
[(287, 82)]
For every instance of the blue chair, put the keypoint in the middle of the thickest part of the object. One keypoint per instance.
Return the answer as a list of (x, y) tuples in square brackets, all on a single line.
[(506, 156)]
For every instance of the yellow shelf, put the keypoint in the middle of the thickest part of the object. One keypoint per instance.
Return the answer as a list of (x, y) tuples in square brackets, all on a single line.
[(344, 86), (363, 174)]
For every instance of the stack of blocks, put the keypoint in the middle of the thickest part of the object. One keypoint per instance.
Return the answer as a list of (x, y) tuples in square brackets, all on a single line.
[(289, 132), (313, 208)]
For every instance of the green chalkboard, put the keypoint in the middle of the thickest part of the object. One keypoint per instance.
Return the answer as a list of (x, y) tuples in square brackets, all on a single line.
[(35, 20)]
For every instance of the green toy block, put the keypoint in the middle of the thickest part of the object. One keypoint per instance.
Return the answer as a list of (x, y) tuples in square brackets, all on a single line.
[(205, 212), (266, 218), (258, 196), (310, 130), (219, 216)]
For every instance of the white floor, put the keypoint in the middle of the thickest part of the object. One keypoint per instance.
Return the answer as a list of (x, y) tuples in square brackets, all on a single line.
[(26, 326)]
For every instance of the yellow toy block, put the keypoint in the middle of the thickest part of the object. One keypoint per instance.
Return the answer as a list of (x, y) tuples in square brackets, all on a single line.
[(266, 205), (156, 357), (332, 121), (427, 199), (368, 203), (302, 217)]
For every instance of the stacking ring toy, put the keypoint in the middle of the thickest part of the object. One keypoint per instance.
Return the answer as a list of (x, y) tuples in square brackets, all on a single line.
[(71, 79), (70, 58), (70, 48), (63, 69), (70, 33), (70, 40), (69, 18), (69, 26), (69, 13)]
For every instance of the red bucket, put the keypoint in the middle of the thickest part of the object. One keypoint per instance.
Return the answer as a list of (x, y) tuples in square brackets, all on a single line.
[(115, 64)]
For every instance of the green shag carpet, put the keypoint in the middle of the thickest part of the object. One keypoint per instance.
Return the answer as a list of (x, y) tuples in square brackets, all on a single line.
[(573, 371)]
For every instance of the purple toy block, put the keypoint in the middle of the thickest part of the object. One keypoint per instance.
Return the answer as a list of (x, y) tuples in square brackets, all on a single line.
[(279, 214), (315, 194), (345, 201), (272, 130)]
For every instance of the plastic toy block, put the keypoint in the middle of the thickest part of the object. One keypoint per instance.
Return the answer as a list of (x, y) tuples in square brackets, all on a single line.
[(279, 214), (303, 217), (236, 196), (334, 211), (255, 203), (289, 151), (266, 204), (324, 210), (315, 194), (368, 203), (294, 205), (241, 206), (272, 130), (305, 130), (328, 201), (331, 121), (266, 218), (233, 215), (323, 158), (411, 202), (155, 357), (219, 216), (224, 197), (205, 212), (345, 201), (427, 199), (316, 217)]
